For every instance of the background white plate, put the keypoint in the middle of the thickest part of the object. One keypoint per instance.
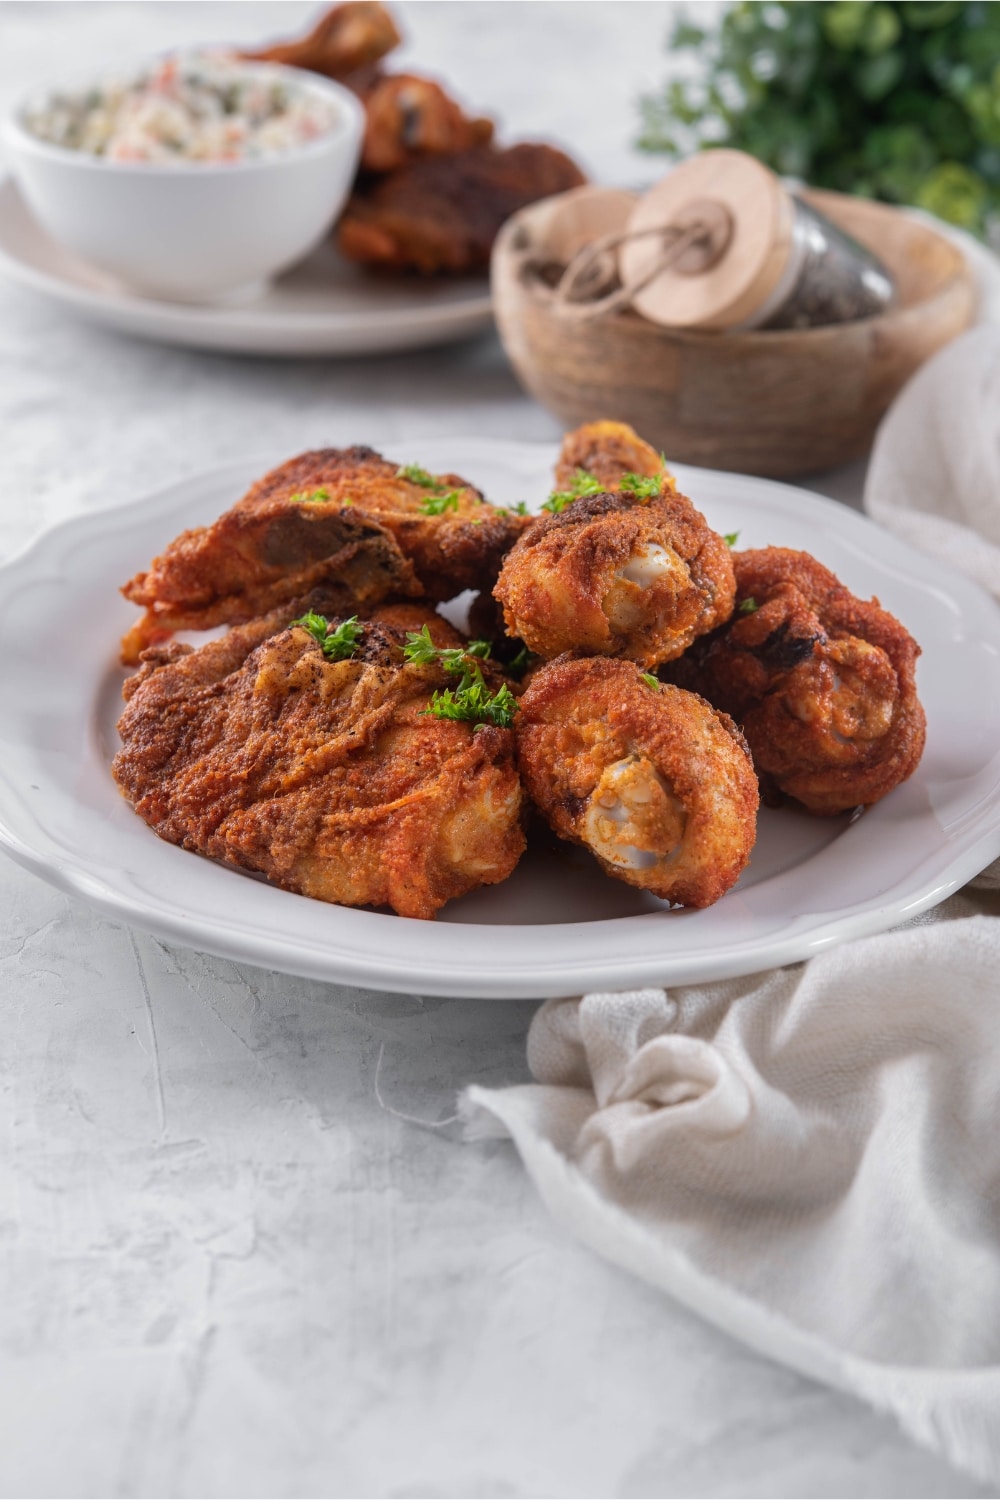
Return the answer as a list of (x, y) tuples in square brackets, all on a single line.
[(324, 305), (558, 926)]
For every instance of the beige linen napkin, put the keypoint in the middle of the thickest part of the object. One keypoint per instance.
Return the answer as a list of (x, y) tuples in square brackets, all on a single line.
[(810, 1158), (934, 476)]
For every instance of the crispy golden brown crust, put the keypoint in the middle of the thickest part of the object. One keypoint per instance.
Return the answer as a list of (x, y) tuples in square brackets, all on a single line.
[(617, 576), (328, 777), (608, 451), (441, 214), (823, 683), (367, 532), (655, 782), (405, 617), (245, 565)]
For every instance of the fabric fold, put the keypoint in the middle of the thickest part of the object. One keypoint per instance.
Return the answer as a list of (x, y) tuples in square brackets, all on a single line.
[(807, 1157)]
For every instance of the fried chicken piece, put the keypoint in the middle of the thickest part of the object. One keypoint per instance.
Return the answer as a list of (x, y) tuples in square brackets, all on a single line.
[(656, 783), (408, 117), (442, 213), (346, 39), (822, 683), (608, 452), (405, 617), (260, 555), (335, 513), (327, 776), (618, 575)]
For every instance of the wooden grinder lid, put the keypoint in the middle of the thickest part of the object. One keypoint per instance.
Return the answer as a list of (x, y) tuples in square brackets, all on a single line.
[(721, 282)]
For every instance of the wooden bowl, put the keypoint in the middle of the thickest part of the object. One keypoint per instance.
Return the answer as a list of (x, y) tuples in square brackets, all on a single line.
[(776, 403)]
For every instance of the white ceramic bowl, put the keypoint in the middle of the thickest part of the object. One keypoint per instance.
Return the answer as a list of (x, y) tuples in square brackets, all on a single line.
[(191, 231)]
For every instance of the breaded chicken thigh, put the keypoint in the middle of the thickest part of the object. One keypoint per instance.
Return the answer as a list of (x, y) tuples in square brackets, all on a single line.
[(328, 776), (654, 781), (343, 514), (618, 575), (822, 683)]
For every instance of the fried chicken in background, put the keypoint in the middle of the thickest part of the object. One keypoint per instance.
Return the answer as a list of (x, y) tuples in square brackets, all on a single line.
[(619, 575), (822, 683), (333, 513), (656, 783), (327, 776), (434, 188), (409, 117), (441, 214), (345, 41), (608, 452)]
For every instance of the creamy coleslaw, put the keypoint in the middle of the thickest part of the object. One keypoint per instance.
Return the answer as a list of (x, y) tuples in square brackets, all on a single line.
[(201, 107)]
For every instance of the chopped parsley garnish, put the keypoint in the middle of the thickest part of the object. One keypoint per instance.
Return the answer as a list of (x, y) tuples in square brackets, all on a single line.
[(748, 606), (643, 486), (475, 704), (436, 505), (471, 701), (421, 650), (731, 538), (311, 497), (416, 475), (651, 681), (581, 484), (337, 644), (520, 509)]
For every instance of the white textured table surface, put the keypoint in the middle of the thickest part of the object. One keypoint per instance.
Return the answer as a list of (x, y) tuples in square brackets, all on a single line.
[(227, 1268)]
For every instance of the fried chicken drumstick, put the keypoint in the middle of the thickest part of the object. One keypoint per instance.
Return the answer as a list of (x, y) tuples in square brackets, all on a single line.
[(822, 683), (345, 40), (652, 780), (264, 750), (343, 514), (608, 452), (618, 574)]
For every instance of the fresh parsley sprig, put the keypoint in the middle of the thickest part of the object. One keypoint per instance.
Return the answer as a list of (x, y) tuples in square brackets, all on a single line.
[(475, 704), (421, 650), (731, 538), (337, 644), (748, 606), (643, 486), (471, 701), (436, 505), (416, 475), (651, 681), (581, 484)]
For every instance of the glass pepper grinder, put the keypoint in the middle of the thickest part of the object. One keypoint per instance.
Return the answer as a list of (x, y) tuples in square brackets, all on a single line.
[(721, 243)]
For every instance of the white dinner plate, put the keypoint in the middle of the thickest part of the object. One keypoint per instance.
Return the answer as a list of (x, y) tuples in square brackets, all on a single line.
[(323, 306), (559, 925)]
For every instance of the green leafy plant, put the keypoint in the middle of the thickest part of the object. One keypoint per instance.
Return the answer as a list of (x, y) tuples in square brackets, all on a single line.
[(890, 99)]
